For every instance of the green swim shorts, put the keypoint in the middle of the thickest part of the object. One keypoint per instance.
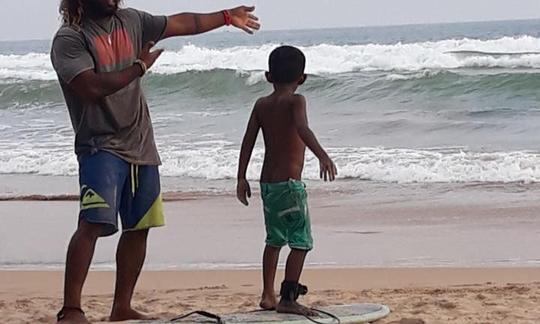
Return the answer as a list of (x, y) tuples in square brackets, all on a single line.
[(286, 215)]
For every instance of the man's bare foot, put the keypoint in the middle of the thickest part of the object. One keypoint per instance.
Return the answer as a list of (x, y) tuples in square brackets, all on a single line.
[(268, 302), (292, 307), (128, 314), (73, 316)]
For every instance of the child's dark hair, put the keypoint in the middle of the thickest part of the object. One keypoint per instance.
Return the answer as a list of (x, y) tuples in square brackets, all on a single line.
[(287, 64)]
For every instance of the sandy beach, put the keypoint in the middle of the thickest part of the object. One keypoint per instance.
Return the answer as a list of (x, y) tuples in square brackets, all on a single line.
[(466, 255), (432, 295)]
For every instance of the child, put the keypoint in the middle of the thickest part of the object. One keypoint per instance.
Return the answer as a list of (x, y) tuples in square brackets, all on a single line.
[(282, 117)]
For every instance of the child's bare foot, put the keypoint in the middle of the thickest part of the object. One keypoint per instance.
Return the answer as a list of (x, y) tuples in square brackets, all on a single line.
[(128, 314), (293, 307), (268, 302)]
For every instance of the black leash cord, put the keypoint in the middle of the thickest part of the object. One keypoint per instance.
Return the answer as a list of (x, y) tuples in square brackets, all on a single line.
[(202, 313), (332, 316)]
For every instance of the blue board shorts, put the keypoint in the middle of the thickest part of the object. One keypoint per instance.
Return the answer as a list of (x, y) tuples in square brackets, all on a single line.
[(111, 186)]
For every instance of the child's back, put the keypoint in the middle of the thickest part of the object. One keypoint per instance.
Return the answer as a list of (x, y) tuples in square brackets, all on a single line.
[(284, 149)]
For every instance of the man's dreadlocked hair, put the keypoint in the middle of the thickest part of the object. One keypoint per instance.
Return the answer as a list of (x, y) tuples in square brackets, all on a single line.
[(72, 12)]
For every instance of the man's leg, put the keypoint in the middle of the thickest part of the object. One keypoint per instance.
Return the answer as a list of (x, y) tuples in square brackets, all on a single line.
[(79, 256), (270, 262), (100, 176), (289, 287), (129, 262), (141, 208)]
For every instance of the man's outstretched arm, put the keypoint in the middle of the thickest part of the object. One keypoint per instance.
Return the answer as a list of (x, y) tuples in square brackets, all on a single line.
[(195, 23)]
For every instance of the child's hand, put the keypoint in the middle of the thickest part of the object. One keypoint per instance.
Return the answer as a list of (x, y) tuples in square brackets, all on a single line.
[(243, 191), (328, 169)]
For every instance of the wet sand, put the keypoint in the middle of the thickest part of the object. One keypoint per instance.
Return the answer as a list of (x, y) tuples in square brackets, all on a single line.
[(379, 227)]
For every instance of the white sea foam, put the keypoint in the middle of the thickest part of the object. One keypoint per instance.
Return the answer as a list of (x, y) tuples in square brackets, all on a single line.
[(31, 66), (215, 160), (425, 166), (322, 59), (378, 164), (38, 160), (412, 76)]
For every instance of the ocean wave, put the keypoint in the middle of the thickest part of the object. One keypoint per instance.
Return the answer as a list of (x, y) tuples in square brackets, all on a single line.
[(507, 67), (505, 52), (18, 93), (215, 161), (371, 86)]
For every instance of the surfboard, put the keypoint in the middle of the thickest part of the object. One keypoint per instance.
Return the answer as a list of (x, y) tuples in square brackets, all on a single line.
[(348, 314)]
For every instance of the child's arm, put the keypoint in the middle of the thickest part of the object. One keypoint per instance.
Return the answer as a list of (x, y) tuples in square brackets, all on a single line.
[(243, 191), (328, 169)]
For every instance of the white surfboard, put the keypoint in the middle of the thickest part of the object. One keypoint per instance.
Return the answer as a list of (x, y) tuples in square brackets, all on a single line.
[(348, 314)]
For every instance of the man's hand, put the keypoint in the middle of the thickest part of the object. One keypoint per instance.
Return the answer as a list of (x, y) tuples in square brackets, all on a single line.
[(148, 57), (243, 191), (328, 169), (94, 86), (243, 18)]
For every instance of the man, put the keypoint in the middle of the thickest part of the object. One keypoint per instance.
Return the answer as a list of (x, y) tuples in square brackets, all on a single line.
[(100, 54)]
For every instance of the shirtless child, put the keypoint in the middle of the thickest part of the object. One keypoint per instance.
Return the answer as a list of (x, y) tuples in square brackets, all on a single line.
[(283, 119)]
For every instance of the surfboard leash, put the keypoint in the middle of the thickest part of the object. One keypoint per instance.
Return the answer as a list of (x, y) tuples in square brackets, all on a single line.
[(332, 316), (215, 317)]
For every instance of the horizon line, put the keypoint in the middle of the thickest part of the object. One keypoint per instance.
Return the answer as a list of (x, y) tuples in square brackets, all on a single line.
[(330, 28)]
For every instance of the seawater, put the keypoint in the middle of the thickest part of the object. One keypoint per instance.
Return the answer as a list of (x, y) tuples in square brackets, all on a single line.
[(446, 103)]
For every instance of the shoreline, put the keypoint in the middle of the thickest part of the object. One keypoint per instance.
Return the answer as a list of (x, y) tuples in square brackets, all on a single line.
[(316, 189), (25, 187)]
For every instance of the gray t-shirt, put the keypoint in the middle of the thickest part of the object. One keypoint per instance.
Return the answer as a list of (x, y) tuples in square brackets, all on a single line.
[(119, 123)]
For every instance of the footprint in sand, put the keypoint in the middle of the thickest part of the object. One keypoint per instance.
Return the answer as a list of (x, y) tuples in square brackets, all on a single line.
[(445, 304)]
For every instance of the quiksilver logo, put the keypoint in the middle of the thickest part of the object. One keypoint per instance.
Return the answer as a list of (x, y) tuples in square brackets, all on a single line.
[(91, 199)]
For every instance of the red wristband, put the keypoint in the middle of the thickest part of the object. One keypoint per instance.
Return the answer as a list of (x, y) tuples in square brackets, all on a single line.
[(227, 16)]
